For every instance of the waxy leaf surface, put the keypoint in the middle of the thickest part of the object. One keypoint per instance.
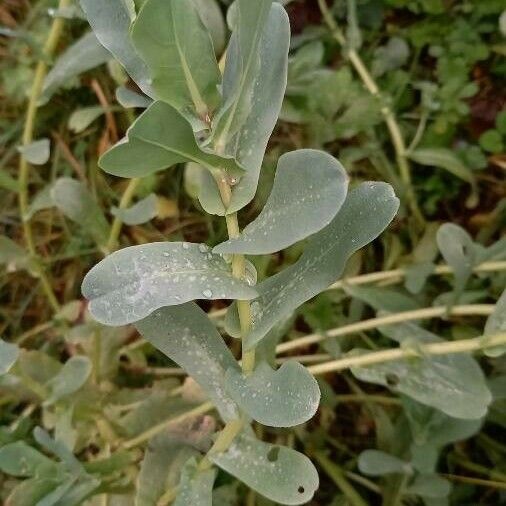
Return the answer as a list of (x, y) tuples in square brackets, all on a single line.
[(133, 282), (141, 212), (309, 189), (186, 335), (366, 212), (196, 487), (281, 474), (172, 40), (158, 139), (282, 398), (8, 355)]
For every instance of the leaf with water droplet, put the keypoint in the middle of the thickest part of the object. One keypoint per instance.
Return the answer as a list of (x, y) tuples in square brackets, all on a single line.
[(141, 212), (366, 212), (282, 398), (266, 96), (309, 189), (133, 282), (178, 50), (159, 138), (111, 22), (8, 355), (186, 335), (196, 486), (281, 474), (454, 384)]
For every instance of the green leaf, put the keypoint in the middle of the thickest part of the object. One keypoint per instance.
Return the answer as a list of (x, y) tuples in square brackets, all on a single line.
[(7, 182), (491, 141), (74, 200), (249, 143), (84, 54), (9, 353), (200, 184), (43, 200), (430, 485), (241, 69), (393, 55), (130, 99), (448, 160), (141, 212), (212, 17), (186, 335), (71, 378), (158, 139), (178, 50), (163, 461), (37, 152), (12, 255), (383, 299), (495, 324), (19, 459), (454, 384), (132, 283), (367, 211), (282, 398), (32, 491), (110, 22), (309, 189), (281, 474), (378, 463), (196, 487), (83, 118)]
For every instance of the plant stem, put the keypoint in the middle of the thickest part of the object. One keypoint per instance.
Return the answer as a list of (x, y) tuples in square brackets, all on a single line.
[(117, 223), (398, 142), (373, 323), (27, 138), (380, 357), (339, 478)]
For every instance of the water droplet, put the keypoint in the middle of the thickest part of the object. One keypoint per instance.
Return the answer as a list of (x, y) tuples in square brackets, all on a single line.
[(207, 294), (203, 248), (186, 245), (166, 254)]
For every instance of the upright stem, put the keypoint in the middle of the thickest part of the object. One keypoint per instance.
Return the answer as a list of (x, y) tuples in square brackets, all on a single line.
[(24, 167), (398, 142)]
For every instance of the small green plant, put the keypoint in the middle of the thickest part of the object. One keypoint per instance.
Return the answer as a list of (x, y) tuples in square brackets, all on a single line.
[(223, 124)]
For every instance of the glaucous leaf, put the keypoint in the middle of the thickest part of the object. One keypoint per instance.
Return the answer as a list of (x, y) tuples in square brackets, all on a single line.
[(128, 98), (241, 69), (383, 299), (212, 17), (21, 460), (73, 375), (309, 188), (159, 138), (74, 200), (429, 485), (200, 184), (282, 398), (281, 474), (196, 487), (8, 355), (31, 491), (249, 143), (133, 282), (454, 384), (178, 50), (82, 118), (186, 335), (496, 323), (84, 54), (366, 212), (378, 463), (110, 21), (141, 212), (37, 152), (42, 200), (446, 159)]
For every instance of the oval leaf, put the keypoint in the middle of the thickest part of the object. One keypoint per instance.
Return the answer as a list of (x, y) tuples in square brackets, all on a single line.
[(281, 474), (195, 487), (378, 463), (309, 189), (158, 139), (141, 212), (282, 398), (186, 335), (367, 211), (172, 40), (71, 378), (132, 283), (37, 152)]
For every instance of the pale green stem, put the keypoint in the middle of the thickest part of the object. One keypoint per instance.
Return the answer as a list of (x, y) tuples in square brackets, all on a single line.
[(380, 357), (388, 115), (24, 166)]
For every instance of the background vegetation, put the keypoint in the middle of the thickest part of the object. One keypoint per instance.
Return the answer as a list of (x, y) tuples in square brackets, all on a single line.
[(405, 91)]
